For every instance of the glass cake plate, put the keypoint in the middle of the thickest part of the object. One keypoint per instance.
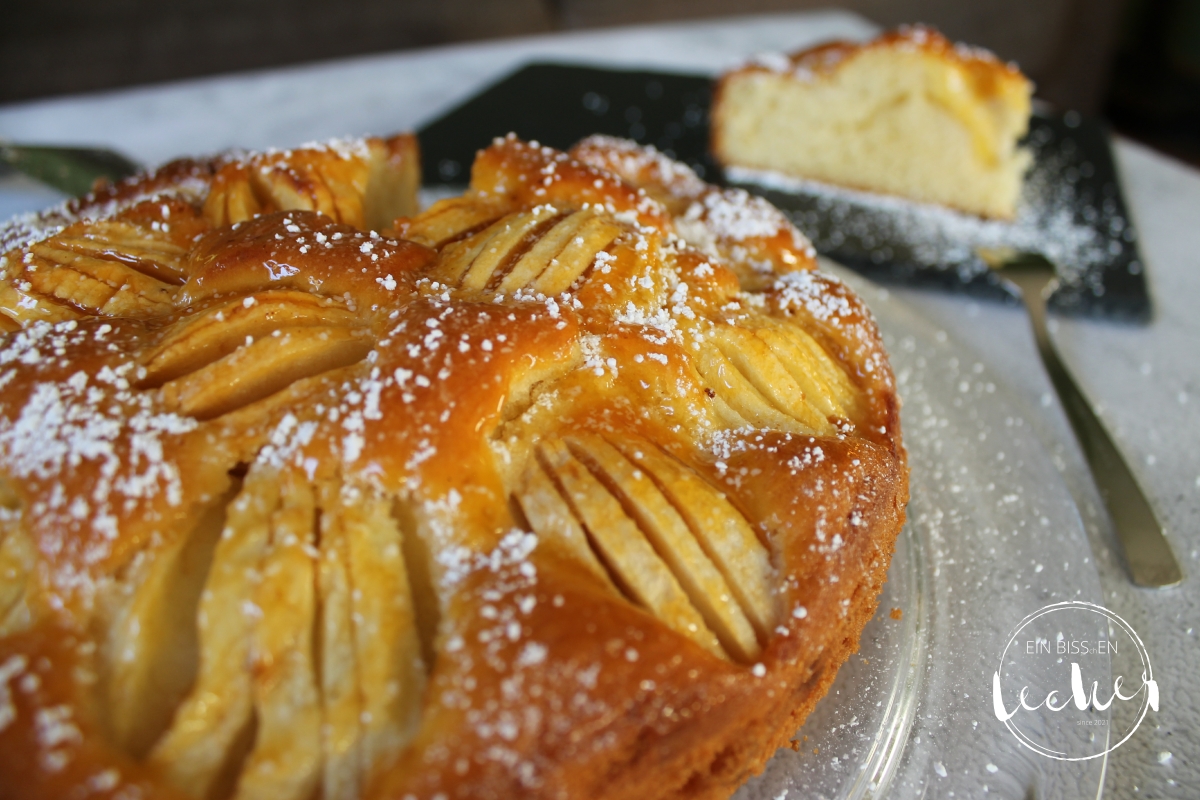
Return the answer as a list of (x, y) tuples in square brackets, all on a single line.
[(992, 536)]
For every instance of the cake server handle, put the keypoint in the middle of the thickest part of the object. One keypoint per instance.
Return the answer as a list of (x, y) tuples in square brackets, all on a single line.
[(1148, 555), (73, 170)]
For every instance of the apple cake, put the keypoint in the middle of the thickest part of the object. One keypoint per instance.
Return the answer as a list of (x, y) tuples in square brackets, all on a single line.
[(582, 484), (907, 114)]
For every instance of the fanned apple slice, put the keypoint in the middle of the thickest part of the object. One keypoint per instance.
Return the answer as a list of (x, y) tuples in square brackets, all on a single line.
[(452, 218), (294, 185), (458, 256), (551, 519), (151, 652), (502, 246), (17, 552), (391, 670), (340, 701), (95, 285), (726, 414), (347, 186), (264, 367), (128, 243), (577, 256), (126, 265), (285, 763), (825, 383), (721, 530), (201, 751), (535, 260), (724, 378), (364, 184), (394, 181), (103, 263), (18, 557), (68, 288), (276, 183), (753, 358), (231, 197), (200, 339), (21, 305), (669, 535), (633, 563)]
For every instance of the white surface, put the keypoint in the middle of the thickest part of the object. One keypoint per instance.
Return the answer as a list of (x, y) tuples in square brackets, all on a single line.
[(1146, 383), (20, 193), (1146, 380), (383, 94)]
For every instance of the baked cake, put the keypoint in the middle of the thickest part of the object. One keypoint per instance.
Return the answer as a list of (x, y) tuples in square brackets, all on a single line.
[(582, 484), (908, 114)]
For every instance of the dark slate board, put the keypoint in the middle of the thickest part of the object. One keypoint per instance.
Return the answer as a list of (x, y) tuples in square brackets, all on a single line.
[(558, 105)]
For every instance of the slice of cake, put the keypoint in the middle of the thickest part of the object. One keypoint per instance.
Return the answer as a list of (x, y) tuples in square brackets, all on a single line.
[(908, 114)]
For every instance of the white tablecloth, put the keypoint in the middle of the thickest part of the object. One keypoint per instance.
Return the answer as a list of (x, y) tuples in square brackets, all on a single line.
[(1146, 380)]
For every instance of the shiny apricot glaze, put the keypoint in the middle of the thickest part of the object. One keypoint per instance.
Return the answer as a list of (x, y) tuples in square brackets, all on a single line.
[(581, 484)]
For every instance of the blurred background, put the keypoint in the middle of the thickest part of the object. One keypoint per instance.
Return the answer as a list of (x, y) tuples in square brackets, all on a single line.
[(1136, 62)]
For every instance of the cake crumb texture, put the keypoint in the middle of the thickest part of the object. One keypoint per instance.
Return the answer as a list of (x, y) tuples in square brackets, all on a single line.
[(908, 114)]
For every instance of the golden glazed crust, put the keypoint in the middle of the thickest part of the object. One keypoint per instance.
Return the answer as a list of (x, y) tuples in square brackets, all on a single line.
[(989, 75), (582, 484)]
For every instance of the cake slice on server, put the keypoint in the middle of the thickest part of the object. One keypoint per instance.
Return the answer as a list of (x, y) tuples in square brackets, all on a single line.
[(907, 114)]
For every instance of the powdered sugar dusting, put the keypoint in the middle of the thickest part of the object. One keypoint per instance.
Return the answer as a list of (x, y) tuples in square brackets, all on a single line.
[(10, 669), (939, 236), (63, 425), (736, 215), (1057, 216), (55, 727), (632, 158), (809, 290), (82, 421), (25, 229)]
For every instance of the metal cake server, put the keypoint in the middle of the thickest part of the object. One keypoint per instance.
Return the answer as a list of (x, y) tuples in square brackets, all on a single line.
[(73, 170), (1148, 555)]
